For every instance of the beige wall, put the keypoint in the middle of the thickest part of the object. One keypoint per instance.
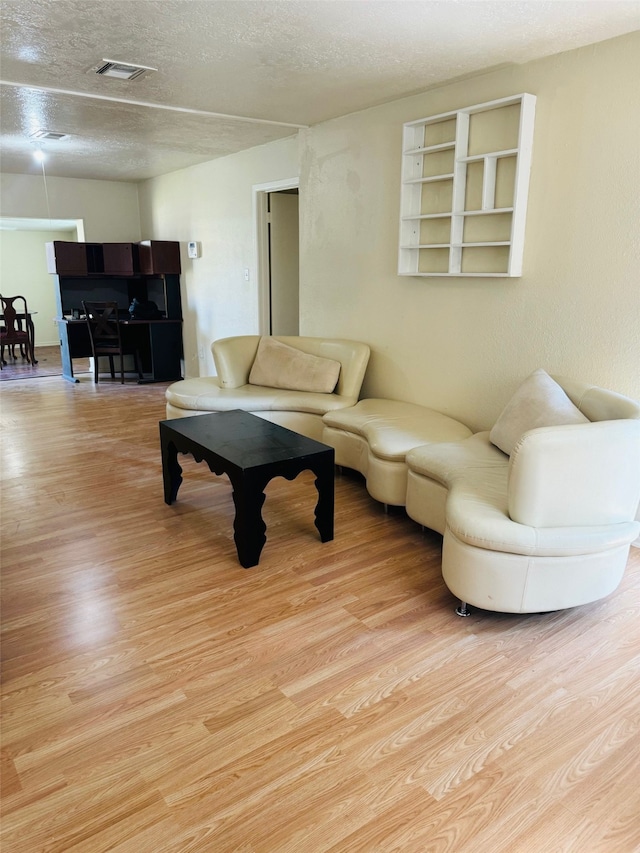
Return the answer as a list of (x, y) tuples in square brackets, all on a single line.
[(109, 209), (213, 204), (23, 270), (460, 345), (109, 213), (463, 345)]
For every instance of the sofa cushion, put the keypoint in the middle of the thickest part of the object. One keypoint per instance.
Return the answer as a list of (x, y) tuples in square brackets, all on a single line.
[(204, 394), (538, 402), (392, 427), (278, 365)]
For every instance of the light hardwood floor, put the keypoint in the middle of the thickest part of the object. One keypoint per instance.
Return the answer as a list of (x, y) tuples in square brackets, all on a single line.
[(158, 698)]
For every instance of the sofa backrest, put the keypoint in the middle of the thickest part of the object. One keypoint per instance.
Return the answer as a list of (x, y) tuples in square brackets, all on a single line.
[(352, 355), (601, 466), (599, 404), (576, 475), (234, 357)]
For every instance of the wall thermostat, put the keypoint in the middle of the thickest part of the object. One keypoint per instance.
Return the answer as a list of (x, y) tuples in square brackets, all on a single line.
[(193, 249)]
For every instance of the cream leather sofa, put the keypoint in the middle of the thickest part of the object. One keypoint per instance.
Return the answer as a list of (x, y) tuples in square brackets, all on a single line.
[(549, 525), (295, 362)]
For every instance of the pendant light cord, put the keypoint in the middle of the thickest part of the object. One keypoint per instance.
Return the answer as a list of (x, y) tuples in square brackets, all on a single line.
[(46, 193)]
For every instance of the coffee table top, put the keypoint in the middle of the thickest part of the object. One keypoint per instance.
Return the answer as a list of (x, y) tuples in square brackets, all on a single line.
[(244, 439)]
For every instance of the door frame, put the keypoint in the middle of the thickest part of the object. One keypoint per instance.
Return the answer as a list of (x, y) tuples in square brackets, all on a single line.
[(260, 219)]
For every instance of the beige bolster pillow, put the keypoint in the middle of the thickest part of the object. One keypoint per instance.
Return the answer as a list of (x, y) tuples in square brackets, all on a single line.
[(278, 365)]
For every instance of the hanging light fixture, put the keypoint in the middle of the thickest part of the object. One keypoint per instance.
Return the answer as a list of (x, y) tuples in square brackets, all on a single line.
[(39, 156)]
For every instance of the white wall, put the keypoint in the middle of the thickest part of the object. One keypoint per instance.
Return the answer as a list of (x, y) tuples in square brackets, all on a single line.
[(463, 345), (213, 204), (23, 270)]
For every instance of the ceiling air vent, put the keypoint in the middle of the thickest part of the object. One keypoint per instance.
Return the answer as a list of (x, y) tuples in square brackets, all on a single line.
[(48, 134), (121, 70)]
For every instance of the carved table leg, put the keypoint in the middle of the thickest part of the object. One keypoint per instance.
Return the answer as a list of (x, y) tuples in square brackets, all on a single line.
[(248, 525), (324, 508), (171, 471)]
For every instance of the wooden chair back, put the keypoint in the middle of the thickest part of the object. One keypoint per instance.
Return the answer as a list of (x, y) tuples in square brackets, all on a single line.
[(12, 332), (102, 320), (105, 334)]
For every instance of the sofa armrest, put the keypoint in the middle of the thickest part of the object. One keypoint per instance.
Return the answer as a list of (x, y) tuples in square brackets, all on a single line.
[(233, 358), (576, 475)]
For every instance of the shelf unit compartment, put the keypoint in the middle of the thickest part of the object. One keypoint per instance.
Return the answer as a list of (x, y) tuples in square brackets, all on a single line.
[(459, 165), (433, 261), (474, 186), (438, 132), (438, 163), (426, 231), (491, 227), (494, 130), (485, 260), (505, 181), (490, 182), (436, 197), (434, 231)]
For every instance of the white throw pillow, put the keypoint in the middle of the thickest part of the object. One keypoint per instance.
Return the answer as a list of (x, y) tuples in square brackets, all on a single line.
[(538, 402), (278, 365)]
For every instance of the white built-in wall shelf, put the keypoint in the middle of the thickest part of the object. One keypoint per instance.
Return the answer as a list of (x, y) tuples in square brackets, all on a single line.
[(465, 181)]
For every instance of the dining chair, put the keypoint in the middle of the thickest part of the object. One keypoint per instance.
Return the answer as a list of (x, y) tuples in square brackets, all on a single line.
[(105, 333), (12, 332)]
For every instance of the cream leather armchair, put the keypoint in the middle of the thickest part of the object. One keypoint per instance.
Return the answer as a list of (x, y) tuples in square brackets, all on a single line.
[(546, 528)]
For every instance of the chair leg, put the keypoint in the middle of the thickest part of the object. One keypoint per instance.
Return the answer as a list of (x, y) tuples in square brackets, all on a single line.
[(122, 368), (111, 367), (96, 370), (139, 365), (462, 609)]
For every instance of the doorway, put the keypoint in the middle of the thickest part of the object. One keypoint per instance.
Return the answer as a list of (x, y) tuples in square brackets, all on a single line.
[(284, 275), (277, 229), (23, 267)]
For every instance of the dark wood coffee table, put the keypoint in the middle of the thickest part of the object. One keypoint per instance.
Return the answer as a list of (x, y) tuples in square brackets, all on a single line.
[(251, 451)]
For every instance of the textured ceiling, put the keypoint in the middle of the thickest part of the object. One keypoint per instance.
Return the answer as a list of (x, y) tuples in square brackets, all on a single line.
[(233, 74)]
